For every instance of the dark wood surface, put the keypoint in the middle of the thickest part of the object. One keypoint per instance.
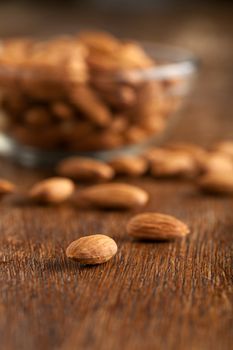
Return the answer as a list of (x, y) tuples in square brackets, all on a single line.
[(163, 296)]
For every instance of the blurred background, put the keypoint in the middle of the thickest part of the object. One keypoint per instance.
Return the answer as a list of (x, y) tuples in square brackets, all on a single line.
[(204, 27)]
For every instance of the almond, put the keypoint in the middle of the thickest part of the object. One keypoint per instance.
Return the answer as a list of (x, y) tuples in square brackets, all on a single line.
[(156, 226), (61, 110), (225, 147), (155, 153), (85, 169), (217, 183), (53, 190), (129, 165), (6, 187), (173, 164), (92, 250), (198, 153), (89, 103), (217, 162), (114, 195)]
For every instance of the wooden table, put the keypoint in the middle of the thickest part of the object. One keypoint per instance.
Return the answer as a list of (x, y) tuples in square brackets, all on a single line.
[(163, 296)]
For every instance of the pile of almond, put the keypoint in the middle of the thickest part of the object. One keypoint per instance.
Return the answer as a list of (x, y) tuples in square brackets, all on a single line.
[(82, 93)]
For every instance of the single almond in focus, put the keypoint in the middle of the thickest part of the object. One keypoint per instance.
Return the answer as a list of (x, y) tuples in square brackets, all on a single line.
[(217, 183), (6, 187), (114, 195), (129, 165), (92, 250), (156, 226), (85, 169), (53, 190)]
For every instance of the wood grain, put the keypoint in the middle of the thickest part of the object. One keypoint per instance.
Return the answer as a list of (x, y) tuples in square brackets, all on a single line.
[(163, 296)]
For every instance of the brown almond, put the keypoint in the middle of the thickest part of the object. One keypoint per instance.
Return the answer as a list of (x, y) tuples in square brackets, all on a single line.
[(37, 117), (117, 95), (217, 183), (225, 147), (114, 195), (6, 187), (92, 250), (135, 134), (53, 190), (156, 226), (198, 153), (155, 153), (129, 165), (217, 162), (99, 42), (173, 164), (85, 169), (62, 111), (87, 101)]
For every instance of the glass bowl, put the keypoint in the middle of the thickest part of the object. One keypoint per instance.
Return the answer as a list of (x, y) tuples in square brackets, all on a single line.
[(39, 127)]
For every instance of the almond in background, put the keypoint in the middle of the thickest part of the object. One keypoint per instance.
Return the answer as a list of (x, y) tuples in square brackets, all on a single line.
[(129, 165), (172, 164), (92, 250), (217, 162), (85, 169), (216, 183), (198, 153), (53, 190), (6, 187), (225, 147), (113, 195), (88, 102), (156, 226)]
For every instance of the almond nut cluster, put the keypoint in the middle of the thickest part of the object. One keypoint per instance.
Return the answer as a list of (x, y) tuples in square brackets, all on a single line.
[(81, 93), (211, 170)]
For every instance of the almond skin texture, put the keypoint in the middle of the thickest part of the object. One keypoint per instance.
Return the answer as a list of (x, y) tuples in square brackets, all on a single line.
[(217, 183), (85, 169), (6, 187), (54, 190), (156, 226), (130, 166), (114, 195), (92, 250)]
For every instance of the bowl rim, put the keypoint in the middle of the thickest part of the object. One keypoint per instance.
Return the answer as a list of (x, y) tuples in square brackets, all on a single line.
[(179, 63), (182, 65)]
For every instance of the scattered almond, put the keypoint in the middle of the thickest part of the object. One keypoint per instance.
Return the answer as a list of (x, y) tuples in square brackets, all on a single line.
[(198, 153), (217, 162), (6, 187), (129, 165), (217, 183), (114, 195), (173, 164), (155, 153), (156, 226), (85, 169), (53, 190), (225, 147), (92, 250)]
